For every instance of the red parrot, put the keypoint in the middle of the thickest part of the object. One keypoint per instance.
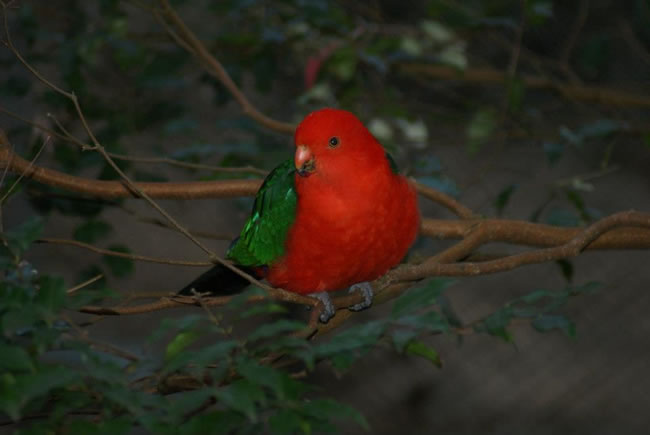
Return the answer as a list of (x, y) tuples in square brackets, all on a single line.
[(337, 216)]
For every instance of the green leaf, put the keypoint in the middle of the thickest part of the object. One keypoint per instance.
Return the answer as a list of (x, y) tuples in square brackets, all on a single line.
[(345, 347), (280, 383), (535, 296), (294, 346), (92, 230), (496, 324), (21, 237), (538, 11), (241, 396), (420, 297), (185, 323), (288, 421), (419, 348), (116, 425), (586, 214), (120, 267), (411, 46), (51, 294), (239, 300), (275, 328), (402, 337), (14, 322), (480, 128), (15, 359), (553, 151), (437, 31), (430, 321), (269, 308), (102, 369), (570, 136), (328, 409), (600, 128), (549, 322), (180, 342), (17, 391), (217, 353), (451, 317), (454, 55), (503, 197), (219, 422)]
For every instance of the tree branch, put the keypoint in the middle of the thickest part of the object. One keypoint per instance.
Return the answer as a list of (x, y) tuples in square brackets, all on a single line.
[(133, 257), (118, 189), (184, 36), (489, 75)]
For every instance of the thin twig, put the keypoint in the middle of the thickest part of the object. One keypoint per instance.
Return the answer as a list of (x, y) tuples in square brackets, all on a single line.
[(581, 19), (42, 127), (633, 41), (102, 347), (22, 174), (569, 249), (194, 45), (514, 57), (133, 257), (188, 165), (85, 283)]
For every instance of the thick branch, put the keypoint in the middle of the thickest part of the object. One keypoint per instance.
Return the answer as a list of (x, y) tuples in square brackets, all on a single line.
[(445, 200), (568, 249), (489, 75), (119, 189), (532, 234)]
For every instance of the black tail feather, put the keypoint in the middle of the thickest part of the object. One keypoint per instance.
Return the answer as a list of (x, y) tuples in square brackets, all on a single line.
[(218, 281)]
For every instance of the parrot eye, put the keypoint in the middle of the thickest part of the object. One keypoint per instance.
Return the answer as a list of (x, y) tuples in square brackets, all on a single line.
[(334, 142)]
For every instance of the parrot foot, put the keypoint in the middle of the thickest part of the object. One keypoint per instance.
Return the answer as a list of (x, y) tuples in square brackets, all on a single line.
[(366, 290), (330, 309)]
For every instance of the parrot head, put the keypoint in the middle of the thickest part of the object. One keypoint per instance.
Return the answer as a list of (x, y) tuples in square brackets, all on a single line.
[(333, 143)]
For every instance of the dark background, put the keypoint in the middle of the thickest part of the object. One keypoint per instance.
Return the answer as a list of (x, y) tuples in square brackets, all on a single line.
[(145, 96)]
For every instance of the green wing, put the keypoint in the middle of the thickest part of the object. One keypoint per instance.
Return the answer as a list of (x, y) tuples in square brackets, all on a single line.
[(263, 237)]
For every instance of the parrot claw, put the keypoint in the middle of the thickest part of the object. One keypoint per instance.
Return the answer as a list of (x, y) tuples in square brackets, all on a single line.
[(366, 290), (330, 309)]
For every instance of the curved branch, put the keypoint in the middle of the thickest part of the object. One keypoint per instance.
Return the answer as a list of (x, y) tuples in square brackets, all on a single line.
[(532, 234), (568, 249), (489, 75), (445, 200), (184, 36), (171, 190), (118, 189)]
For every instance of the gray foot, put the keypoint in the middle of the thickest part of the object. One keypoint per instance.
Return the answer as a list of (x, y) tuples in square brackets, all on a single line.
[(329, 310), (366, 290)]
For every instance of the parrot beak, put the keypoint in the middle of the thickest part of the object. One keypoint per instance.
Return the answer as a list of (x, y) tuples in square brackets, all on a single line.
[(304, 161)]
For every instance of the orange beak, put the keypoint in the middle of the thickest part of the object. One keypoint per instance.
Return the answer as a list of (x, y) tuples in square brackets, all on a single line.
[(304, 161)]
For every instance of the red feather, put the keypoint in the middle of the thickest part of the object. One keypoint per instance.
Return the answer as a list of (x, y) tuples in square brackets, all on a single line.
[(355, 218)]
